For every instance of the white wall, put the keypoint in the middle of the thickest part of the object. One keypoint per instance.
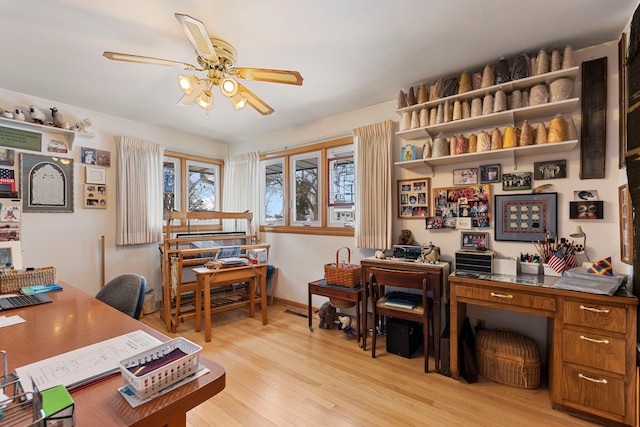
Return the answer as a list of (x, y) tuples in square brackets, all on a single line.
[(71, 241)]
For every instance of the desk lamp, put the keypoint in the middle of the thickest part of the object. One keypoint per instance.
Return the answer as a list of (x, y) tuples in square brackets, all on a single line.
[(576, 234)]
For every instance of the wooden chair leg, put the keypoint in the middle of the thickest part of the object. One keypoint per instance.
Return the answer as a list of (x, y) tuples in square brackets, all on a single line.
[(374, 318), (425, 332)]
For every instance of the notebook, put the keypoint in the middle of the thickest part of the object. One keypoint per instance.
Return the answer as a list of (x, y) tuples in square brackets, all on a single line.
[(19, 301)]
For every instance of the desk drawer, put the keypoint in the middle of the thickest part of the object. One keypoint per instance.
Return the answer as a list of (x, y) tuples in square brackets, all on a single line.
[(597, 351), (593, 391), (595, 316), (508, 298)]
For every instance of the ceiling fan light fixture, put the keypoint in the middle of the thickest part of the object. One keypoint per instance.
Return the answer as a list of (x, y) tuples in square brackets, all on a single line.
[(239, 101), (229, 87), (205, 100), (188, 83)]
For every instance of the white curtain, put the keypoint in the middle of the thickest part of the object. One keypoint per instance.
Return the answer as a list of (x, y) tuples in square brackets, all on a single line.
[(373, 159), (138, 191), (241, 190)]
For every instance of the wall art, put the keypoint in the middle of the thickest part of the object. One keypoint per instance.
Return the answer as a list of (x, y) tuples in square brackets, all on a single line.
[(516, 181), (587, 209), (526, 217), (95, 175), (95, 196), (467, 176), (553, 169), (413, 198), (47, 183), (472, 201), (626, 224), (489, 174)]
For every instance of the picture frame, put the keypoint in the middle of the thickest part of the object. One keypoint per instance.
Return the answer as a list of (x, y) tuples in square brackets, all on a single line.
[(471, 201), (586, 209), (413, 198), (525, 217), (93, 175), (7, 157), (46, 183), (622, 100), (553, 169), (473, 240), (466, 176), (489, 174), (95, 196), (626, 224), (516, 181), (92, 156)]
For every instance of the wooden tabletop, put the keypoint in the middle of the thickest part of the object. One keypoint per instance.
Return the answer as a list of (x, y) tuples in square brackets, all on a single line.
[(75, 320)]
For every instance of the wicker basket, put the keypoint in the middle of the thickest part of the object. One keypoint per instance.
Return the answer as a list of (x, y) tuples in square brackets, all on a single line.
[(342, 274), (13, 280), (508, 358), (341, 303)]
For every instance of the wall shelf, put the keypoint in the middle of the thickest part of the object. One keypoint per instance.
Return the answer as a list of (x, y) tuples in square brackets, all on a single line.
[(491, 156), (70, 134)]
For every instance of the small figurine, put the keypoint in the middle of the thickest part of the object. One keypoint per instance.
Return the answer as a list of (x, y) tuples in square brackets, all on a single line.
[(57, 117), (7, 114), (19, 115), (430, 254), (37, 116)]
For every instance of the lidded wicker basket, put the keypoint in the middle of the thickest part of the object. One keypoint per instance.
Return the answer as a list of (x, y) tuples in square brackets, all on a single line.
[(507, 357), (13, 280), (342, 274)]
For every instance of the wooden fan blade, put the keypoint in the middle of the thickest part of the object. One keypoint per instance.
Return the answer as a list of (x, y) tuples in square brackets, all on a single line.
[(198, 36), (266, 75), (147, 60), (258, 104)]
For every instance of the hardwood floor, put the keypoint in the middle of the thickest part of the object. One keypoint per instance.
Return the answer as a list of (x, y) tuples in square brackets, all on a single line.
[(282, 374)]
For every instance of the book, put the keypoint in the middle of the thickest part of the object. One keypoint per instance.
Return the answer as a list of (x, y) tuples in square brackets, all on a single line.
[(39, 289), (402, 300)]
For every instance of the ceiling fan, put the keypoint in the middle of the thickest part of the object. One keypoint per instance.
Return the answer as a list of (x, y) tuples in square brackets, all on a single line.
[(218, 59)]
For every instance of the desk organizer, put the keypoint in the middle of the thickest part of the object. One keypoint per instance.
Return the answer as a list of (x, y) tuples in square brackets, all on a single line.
[(13, 280), (164, 375)]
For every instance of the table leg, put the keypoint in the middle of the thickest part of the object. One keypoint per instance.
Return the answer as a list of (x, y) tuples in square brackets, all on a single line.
[(458, 314), (263, 292), (436, 333), (252, 296), (310, 315), (207, 308), (198, 301), (358, 314)]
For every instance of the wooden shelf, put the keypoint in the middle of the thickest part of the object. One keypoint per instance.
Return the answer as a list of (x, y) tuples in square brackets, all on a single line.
[(70, 134), (492, 156)]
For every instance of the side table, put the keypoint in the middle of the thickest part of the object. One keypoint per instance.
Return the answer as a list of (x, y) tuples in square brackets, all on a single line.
[(319, 287)]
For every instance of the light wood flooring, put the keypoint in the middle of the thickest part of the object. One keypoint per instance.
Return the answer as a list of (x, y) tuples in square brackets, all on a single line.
[(282, 374)]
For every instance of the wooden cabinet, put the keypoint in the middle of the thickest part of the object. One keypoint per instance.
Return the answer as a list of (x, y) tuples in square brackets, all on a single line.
[(598, 358), (591, 340), (538, 113)]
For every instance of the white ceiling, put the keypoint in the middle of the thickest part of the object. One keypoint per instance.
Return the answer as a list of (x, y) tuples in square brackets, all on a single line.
[(351, 53)]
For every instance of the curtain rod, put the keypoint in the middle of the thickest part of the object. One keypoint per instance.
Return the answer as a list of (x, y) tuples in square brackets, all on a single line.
[(302, 144)]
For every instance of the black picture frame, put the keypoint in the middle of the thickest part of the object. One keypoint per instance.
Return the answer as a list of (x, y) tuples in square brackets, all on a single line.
[(586, 209), (551, 169), (489, 174), (46, 183), (525, 217), (472, 240), (517, 181)]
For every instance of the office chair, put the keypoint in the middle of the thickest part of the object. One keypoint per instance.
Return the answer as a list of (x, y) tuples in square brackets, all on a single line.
[(378, 279), (125, 293)]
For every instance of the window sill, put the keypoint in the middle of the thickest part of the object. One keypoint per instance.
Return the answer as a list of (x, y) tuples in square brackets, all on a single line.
[(320, 231)]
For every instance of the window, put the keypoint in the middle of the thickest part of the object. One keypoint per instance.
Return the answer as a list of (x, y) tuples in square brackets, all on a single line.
[(192, 182), (310, 189)]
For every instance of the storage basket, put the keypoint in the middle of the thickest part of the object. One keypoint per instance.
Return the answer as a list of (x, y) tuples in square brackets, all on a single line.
[(508, 358), (13, 280), (163, 373), (341, 303), (342, 273)]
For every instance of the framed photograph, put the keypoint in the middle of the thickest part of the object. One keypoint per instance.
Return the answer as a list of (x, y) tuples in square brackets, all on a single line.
[(413, 200), (622, 99), (453, 203), (7, 157), (489, 174), (516, 181), (467, 176), (589, 209), (550, 170), (472, 241), (434, 222), (95, 196), (626, 224), (526, 217), (95, 175), (47, 183)]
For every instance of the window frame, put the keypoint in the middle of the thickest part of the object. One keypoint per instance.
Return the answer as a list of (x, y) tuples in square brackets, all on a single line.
[(182, 162), (324, 227)]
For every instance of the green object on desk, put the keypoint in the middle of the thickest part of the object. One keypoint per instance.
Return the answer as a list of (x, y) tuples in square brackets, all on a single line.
[(40, 289), (58, 406)]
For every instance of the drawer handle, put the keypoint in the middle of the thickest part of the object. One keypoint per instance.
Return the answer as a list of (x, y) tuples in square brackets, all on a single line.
[(593, 380), (597, 310), (493, 294), (582, 337)]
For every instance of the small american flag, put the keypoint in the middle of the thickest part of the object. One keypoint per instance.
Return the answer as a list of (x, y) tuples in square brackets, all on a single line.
[(557, 262), (570, 259)]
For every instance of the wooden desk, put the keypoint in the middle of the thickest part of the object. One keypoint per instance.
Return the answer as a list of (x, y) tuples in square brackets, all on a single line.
[(592, 339), (318, 287), (437, 284), (207, 278), (75, 320)]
